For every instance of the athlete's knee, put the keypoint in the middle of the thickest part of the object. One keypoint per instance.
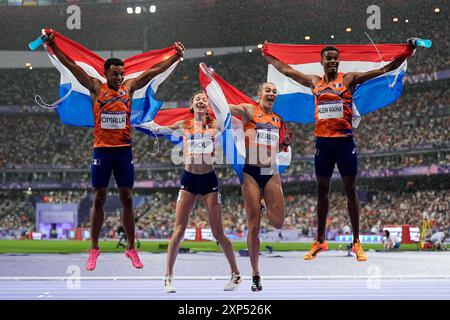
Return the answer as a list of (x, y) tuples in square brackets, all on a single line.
[(99, 199), (323, 187), (217, 232), (277, 222), (253, 228), (219, 235), (323, 192), (276, 216), (350, 188), (178, 233), (126, 198)]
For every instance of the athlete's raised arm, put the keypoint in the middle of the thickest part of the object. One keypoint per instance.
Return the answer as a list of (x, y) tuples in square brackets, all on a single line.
[(177, 125), (90, 83), (308, 80), (245, 110), (145, 77), (354, 78), (165, 130)]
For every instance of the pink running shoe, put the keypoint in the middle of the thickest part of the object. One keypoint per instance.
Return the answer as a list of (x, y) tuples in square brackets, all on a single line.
[(92, 260), (135, 260)]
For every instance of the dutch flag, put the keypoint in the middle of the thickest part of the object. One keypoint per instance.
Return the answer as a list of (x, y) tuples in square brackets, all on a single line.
[(232, 138), (75, 106), (221, 94)]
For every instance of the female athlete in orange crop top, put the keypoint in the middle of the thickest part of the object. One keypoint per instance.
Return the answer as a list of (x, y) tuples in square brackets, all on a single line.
[(199, 180), (263, 129)]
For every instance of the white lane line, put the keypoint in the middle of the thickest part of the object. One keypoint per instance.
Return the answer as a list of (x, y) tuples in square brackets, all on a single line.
[(219, 283), (272, 290), (214, 292), (231, 294), (290, 278), (219, 286), (190, 295), (45, 295), (293, 287)]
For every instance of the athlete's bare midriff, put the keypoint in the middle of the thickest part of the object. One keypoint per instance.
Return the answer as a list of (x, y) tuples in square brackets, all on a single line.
[(198, 168), (260, 156), (199, 148)]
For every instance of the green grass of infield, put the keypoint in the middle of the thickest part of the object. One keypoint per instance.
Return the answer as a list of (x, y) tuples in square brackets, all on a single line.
[(71, 246)]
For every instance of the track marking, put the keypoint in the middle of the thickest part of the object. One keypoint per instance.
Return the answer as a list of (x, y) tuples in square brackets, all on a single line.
[(64, 278)]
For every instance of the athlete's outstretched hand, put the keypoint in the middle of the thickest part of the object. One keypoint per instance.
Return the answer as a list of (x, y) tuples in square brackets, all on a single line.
[(412, 42), (262, 48), (50, 39), (180, 48), (288, 137)]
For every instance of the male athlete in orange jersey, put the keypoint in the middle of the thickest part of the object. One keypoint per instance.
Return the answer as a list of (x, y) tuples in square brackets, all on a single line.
[(333, 95), (111, 103)]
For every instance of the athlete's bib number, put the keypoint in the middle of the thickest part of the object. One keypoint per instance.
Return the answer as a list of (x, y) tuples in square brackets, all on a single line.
[(330, 110), (200, 146), (267, 137), (113, 120)]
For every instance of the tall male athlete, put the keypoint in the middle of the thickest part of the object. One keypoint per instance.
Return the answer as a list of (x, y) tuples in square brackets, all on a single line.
[(333, 97), (111, 105)]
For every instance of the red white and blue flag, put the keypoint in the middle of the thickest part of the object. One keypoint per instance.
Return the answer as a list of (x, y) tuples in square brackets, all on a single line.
[(75, 106), (221, 94), (159, 123), (231, 137), (295, 102)]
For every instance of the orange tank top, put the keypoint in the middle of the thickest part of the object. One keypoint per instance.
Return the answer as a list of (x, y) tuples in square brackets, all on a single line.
[(333, 108), (112, 118), (263, 129), (198, 141)]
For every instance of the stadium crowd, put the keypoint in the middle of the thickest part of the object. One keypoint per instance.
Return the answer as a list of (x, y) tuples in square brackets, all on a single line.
[(245, 71), (220, 24), (155, 217), (419, 120)]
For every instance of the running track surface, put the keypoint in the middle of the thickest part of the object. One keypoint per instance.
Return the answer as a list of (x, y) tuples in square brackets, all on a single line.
[(202, 276), (359, 289)]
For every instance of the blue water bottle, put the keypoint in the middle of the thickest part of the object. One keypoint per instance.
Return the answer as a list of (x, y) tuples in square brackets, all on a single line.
[(33, 45), (417, 42), (423, 43)]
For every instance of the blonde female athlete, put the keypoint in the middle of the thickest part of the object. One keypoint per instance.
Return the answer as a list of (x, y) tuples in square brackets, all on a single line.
[(261, 179), (199, 180)]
